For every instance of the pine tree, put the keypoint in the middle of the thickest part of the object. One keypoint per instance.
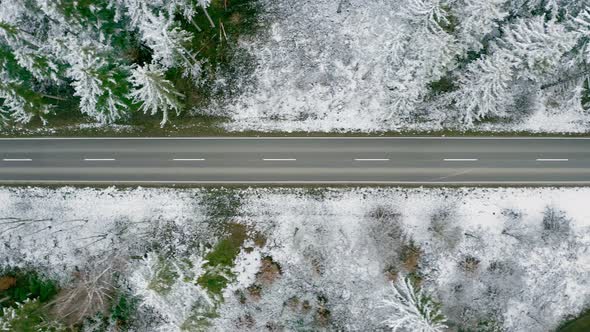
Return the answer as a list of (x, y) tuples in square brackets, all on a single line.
[(154, 92), (85, 44), (166, 40), (485, 88), (426, 53), (101, 86), (20, 102), (479, 19), (412, 310), (538, 45)]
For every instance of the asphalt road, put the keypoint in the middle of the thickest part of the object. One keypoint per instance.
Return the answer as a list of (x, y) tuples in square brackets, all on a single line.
[(296, 160)]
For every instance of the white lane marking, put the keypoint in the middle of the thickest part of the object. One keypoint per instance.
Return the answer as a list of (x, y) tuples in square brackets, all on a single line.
[(189, 159), (279, 159), (465, 159), (24, 159), (371, 159), (99, 159), (548, 159)]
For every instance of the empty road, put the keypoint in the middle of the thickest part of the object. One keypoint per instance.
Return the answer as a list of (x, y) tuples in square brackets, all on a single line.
[(331, 160)]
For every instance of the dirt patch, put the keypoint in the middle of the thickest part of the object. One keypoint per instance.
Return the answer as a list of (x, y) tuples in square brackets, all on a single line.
[(410, 257), (269, 271), (7, 282), (255, 293), (322, 315), (391, 273), (470, 264)]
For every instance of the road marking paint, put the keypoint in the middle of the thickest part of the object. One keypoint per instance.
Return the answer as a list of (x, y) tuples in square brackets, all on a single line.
[(465, 159), (99, 159), (371, 159), (279, 159), (546, 159), (24, 159), (188, 159)]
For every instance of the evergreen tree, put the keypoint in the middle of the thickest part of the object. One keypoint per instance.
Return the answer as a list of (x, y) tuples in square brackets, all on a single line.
[(154, 92), (412, 310)]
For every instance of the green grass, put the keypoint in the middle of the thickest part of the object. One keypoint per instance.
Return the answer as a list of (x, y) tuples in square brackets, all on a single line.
[(221, 259), (123, 309), (164, 278), (29, 285), (222, 204), (32, 316), (579, 324)]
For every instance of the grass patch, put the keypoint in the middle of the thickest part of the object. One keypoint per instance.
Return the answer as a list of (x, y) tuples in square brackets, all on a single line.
[(410, 256), (20, 285), (221, 259), (164, 278), (123, 310), (579, 324), (222, 205), (30, 316)]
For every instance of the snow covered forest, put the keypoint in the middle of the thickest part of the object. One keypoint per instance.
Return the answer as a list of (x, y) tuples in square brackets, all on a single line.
[(420, 65), (367, 259), (286, 65), (110, 57)]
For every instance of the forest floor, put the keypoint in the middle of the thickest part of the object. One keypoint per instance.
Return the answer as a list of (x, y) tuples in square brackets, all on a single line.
[(185, 125), (243, 259)]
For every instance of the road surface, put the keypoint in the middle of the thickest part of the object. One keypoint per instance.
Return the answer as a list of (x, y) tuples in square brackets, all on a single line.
[(329, 160)]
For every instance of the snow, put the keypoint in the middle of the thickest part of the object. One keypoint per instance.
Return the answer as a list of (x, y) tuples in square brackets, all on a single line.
[(246, 266), (484, 253), (318, 70), (75, 224)]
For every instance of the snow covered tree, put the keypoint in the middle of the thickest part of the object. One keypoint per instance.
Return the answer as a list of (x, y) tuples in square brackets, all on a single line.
[(162, 34), (412, 310), (19, 101), (426, 53), (538, 45), (478, 19), (100, 85), (531, 50), (485, 88), (90, 45), (154, 92)]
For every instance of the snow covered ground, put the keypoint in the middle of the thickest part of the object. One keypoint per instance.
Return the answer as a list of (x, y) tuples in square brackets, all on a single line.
[(511, 258), (368, 66)]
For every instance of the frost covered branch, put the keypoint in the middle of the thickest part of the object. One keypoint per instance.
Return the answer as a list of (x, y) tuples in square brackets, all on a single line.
[(154, 92), (412, 310)]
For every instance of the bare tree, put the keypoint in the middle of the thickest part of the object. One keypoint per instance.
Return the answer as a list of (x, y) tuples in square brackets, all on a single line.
[(90, 293)]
